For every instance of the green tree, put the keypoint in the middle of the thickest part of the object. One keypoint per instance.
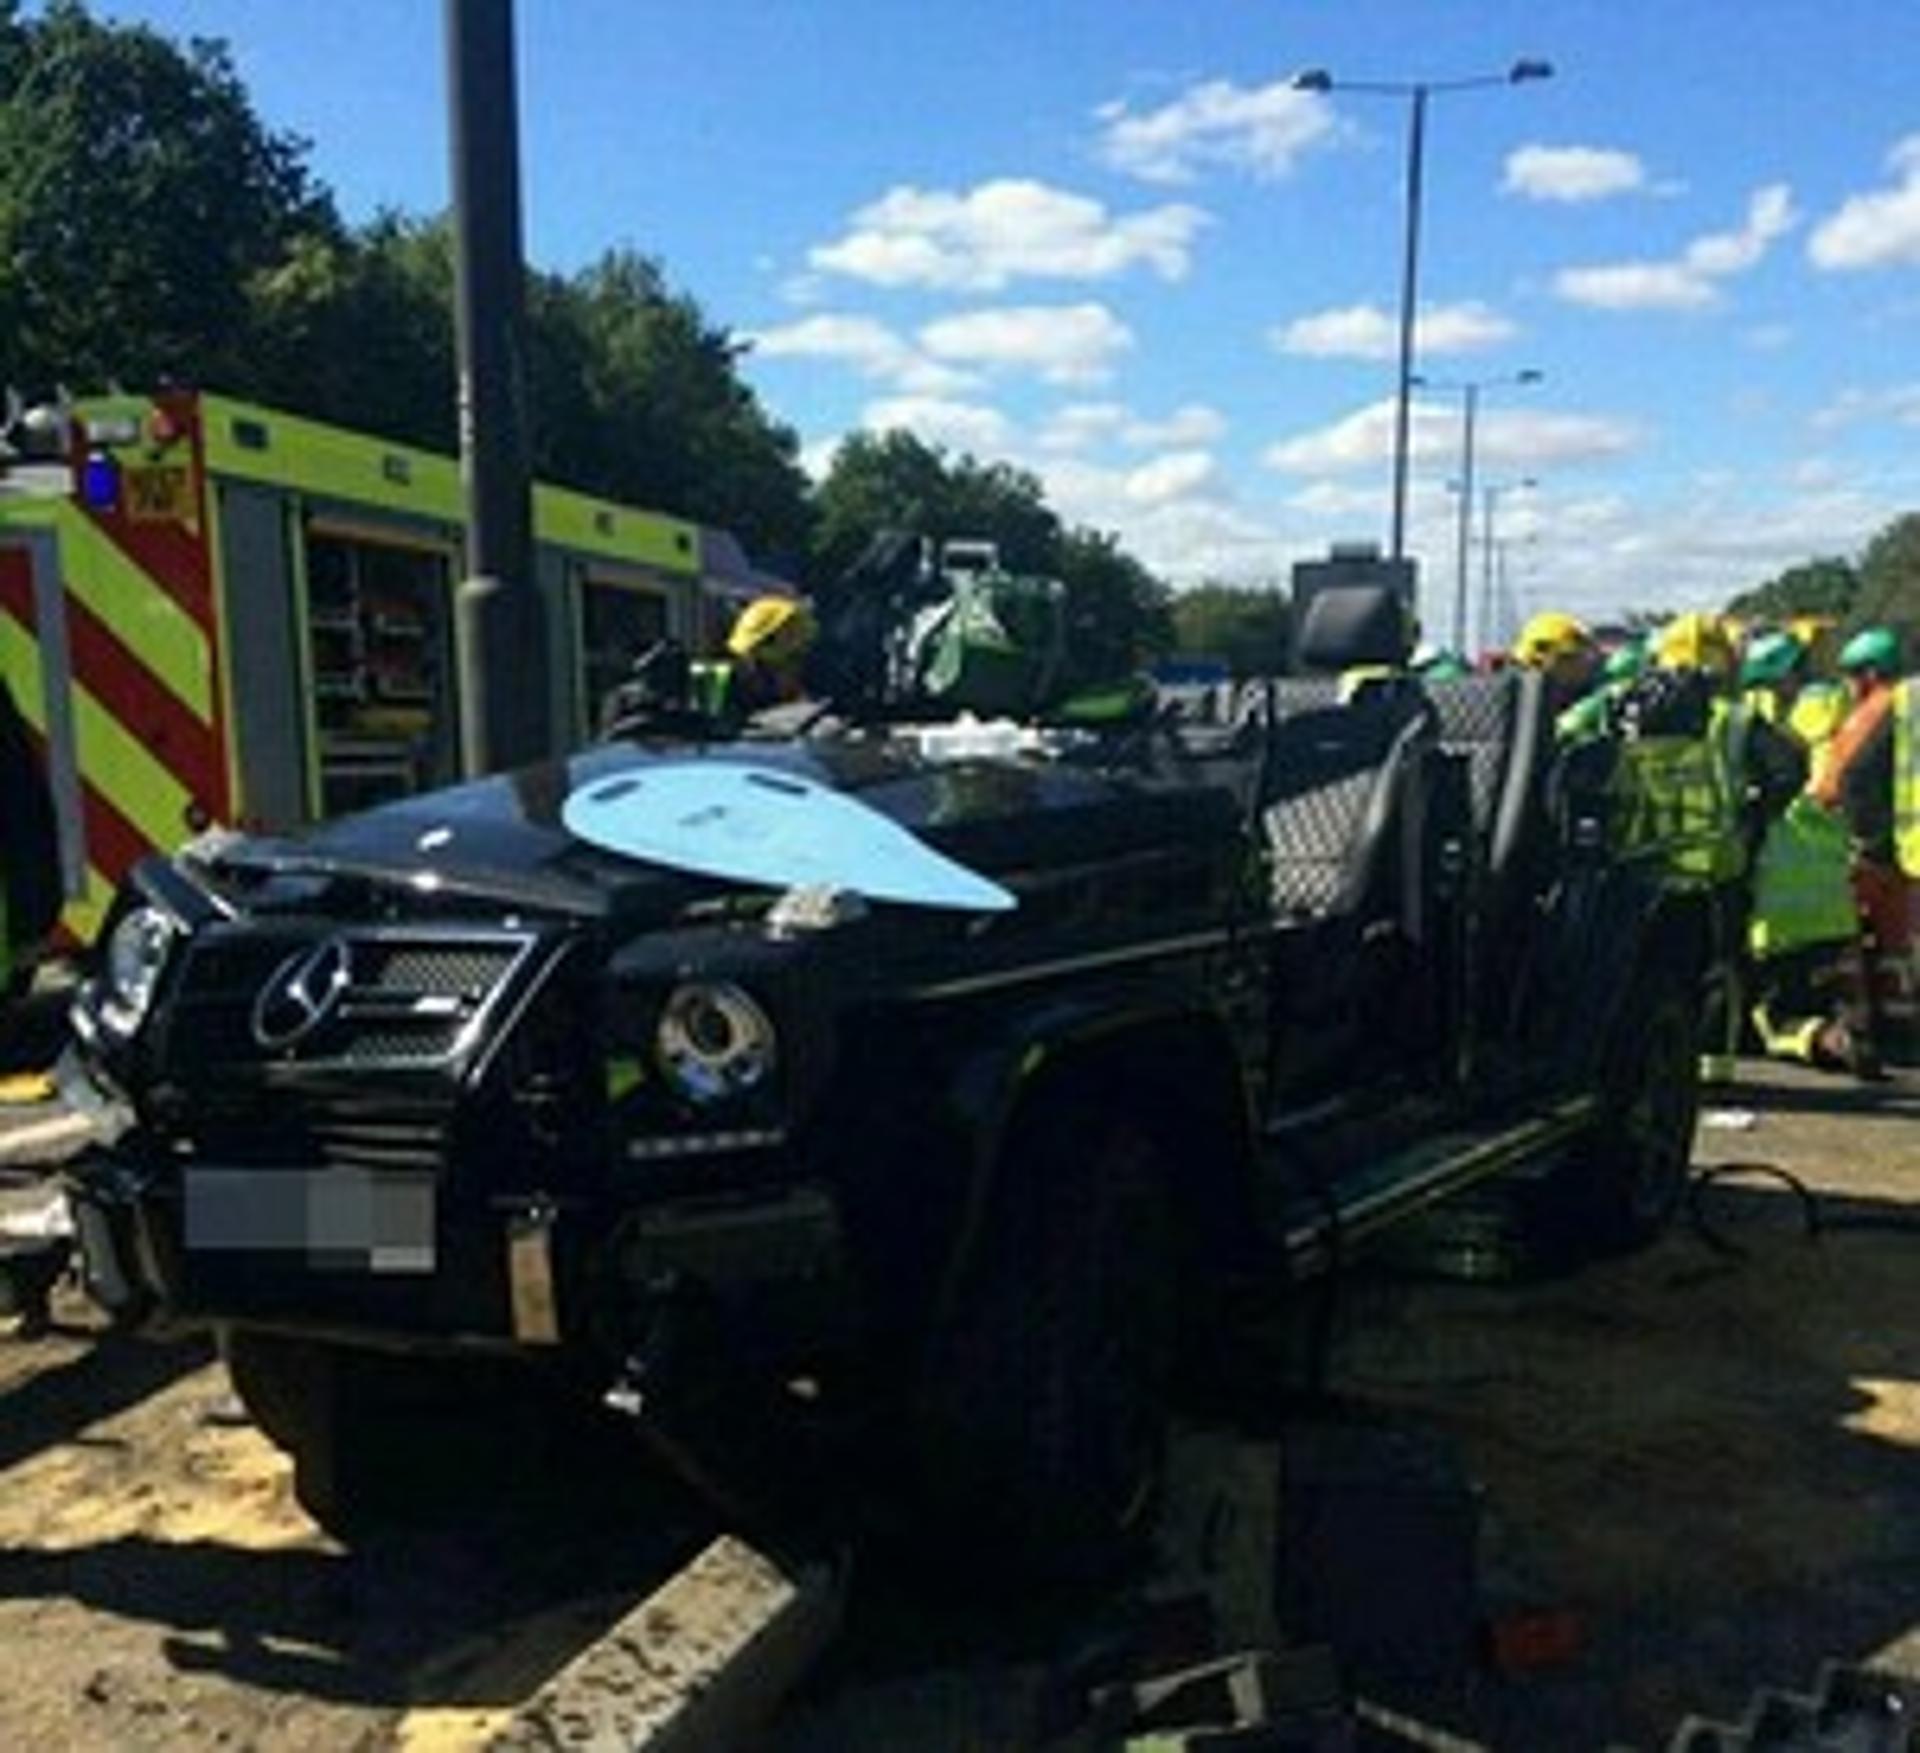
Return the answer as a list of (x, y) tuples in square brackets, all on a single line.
[(139, 196), (1118, 613), (359, 331), (1814, 587), (1890, 578), (893, 480), (1246, 625), (636, 394)]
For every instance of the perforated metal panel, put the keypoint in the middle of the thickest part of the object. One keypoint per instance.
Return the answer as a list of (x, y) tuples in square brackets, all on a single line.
[(1313, 836), (1476, 719)]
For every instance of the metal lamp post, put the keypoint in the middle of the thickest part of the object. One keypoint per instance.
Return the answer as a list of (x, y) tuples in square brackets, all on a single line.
[(1318, 79), (1490, 499), (1469, 389), (502, 640)]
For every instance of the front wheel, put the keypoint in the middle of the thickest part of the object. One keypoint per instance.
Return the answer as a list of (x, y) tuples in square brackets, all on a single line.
[(384, 1439), (1042, 1430)]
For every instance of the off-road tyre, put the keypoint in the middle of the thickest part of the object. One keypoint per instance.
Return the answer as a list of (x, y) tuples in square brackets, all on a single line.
[(380, 1440), (317, 1401), (1630, 1179), (1041, 1434)]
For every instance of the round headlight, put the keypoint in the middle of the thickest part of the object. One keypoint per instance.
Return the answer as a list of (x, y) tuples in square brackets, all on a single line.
[(136, 952), (714, 1041)]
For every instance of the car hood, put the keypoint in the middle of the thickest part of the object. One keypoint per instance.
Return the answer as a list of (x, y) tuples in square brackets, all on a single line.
[(504, 838)]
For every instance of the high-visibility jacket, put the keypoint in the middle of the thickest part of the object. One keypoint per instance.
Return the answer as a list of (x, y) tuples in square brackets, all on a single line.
[(1906, 775), (1686, 796), (1801, 892), (1817, 713)]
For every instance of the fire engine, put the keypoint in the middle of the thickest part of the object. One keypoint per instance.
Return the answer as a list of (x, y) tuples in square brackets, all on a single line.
[(218, 613)]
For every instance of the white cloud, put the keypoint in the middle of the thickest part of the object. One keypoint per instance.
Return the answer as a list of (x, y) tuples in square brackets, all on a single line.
[(1768, 337), (1067, 344), (1262, 130), (865, 344), (1180, 474), (1506, 437), (1366, 331), (1080, 426), (1899, 403), (1338, 500), (1176, 520), (966, 426), (1688, 282), (1873, 230), (1192, 423), (1609, 552), (1000, 231), (1571, 173), (1812, 472), (1636, 286)]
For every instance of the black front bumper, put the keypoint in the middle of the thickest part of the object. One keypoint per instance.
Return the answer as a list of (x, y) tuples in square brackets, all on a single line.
[(516, 1274)]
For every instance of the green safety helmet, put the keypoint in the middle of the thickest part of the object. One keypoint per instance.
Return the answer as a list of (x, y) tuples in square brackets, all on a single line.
[(1625, 662), (1872, 648), (1770, 657)]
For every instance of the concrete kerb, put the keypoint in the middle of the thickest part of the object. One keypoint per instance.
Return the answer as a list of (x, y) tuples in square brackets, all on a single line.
[(696, 1667)]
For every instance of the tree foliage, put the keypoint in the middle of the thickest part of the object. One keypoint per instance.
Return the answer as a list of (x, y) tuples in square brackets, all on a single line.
[(139, 196), (1882, 585), (1117, 611), (1890, 578), (894, 480), (1244, 625), (153, 229), (632, 393), (1814, 587), (357, 330)]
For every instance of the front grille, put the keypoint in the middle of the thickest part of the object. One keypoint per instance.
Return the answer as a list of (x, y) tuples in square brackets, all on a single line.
[(441, 970), (359, 998)]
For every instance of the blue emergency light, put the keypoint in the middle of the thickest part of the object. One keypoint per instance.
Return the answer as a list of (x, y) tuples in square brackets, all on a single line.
[(100, 482)]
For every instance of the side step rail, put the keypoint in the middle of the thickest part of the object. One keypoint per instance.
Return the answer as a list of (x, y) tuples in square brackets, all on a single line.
[(1320, 1234)]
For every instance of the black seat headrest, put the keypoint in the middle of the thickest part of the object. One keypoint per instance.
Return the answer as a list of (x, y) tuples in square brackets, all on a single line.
[(1349, 625)]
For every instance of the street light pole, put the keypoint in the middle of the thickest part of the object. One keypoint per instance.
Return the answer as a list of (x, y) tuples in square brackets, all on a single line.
[(1491, 499), (1469, 402), (1319, 80), (501, 641), (1409, 294), (1469, 389)]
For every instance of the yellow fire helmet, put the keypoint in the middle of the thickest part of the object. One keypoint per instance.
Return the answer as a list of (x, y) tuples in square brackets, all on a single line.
[(1695, 641), (773, 630), (1548, 637)]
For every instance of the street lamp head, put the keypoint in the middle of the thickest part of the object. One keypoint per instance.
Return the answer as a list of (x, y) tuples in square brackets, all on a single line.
[(1312, 79), (1528, 375), (1521, 71)]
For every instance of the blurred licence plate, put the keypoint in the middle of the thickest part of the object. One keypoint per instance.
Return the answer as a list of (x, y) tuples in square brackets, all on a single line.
[(336, 1219)]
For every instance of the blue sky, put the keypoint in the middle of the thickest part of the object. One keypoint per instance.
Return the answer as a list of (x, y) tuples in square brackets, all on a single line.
[(1107, 240)]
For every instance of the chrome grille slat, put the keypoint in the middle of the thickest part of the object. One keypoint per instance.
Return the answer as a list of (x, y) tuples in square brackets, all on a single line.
[(412, 997)]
